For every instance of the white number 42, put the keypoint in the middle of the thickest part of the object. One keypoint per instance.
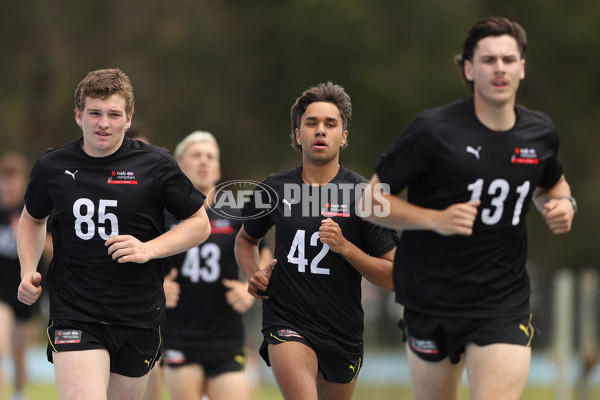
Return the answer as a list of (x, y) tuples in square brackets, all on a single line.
[(297, 253)]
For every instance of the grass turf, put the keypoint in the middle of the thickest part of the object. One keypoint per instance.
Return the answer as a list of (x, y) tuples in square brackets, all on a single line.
[(48, 392)]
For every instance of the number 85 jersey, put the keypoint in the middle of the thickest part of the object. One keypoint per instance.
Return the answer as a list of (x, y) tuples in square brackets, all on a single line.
[(315, 291), (446, 156), (125, 193)]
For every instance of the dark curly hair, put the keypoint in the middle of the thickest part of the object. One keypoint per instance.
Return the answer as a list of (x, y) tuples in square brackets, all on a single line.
[(326, 92)]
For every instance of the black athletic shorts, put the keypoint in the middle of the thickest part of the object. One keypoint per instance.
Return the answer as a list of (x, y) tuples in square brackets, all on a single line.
[(22, 311), (214, 361), (9, 285), (434, 338), (335, 368), (133, 351)]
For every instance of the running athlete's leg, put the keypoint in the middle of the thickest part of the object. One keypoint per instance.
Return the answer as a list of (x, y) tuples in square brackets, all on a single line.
[(434, 380), (7, 320), (334, 391), (154, 387), (121, 387), (20, 342), (82, 374), (294, 367), (497, 371), (186, 382), (229, 385)]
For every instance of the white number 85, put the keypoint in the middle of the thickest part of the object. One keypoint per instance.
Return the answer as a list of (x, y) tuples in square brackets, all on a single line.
[(85, 219)]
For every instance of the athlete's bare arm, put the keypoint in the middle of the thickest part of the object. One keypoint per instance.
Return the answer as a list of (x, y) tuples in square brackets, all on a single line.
[(188, 233), (555, 206), (247, 257), (237, 294), (265, 256), (172, 288), (31, 238), (457, 219)]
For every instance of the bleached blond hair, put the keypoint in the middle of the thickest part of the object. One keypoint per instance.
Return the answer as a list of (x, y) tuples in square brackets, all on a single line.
[(195, 137)]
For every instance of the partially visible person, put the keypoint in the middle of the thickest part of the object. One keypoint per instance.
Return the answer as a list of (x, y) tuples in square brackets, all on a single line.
[(204, 337), (154, 388), (105, 280), (472, 169), (138, 131), (15, 317), (312, 314)]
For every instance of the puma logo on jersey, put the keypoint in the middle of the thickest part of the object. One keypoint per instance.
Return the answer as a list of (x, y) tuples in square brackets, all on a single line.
[(147, 362), (289, 204), (352, 367), (71, 173), (524, 329), (474, 151)]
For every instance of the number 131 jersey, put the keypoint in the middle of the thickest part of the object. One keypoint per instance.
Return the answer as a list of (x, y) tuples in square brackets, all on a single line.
[(446, 156)]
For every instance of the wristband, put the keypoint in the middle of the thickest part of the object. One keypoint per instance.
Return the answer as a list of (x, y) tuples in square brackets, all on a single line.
[(572, 200)]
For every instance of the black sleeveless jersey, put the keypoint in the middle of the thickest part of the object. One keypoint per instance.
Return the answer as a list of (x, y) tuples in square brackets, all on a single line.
[(125, 193), (447, 156), (202, 318), (315, 291)]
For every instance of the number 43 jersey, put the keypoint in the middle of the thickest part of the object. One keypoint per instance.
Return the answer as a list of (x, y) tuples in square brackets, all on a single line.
[(446, 156), (125, 193), (314, 290), (203, 319)]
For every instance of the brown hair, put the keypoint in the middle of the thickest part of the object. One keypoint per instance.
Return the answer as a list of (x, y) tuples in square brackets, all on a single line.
[(326, 92), (493, 26), (103, 83)]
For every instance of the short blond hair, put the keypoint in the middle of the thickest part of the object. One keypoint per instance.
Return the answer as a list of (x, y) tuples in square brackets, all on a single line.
[(196, 137)]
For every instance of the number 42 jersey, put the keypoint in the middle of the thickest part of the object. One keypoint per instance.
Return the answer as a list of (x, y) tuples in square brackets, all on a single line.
[(315, 291), (125, 193)]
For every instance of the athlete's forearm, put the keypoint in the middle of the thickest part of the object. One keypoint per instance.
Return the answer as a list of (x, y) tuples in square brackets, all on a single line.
[(246, 253), (542, 195), (406, 216), (265, 256), (390, 211), (31, 238), (377, 270), (188, 233)]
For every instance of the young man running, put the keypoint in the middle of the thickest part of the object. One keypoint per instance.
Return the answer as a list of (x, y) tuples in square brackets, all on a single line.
[(109, 194), (204, 338), (472, 169), (312, 313)]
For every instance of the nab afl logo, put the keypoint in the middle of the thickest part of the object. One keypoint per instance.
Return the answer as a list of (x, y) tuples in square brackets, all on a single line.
[(236, 194)]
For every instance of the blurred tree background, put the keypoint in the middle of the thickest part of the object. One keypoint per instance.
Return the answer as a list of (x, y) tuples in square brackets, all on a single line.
[(235, 67)]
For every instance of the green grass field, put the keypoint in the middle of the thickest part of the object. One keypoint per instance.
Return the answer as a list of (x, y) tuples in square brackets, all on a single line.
[(48, 392)]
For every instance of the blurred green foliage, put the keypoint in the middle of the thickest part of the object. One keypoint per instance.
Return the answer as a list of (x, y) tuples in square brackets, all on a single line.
[(235, 67)]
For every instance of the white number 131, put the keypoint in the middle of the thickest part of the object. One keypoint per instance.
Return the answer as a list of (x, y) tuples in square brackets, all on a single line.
[(499, 189)]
